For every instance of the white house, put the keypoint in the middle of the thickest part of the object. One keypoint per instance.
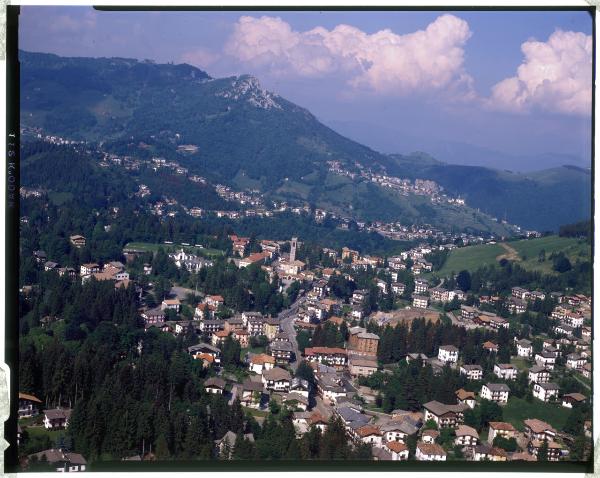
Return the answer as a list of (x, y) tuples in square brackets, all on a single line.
[(524, 348), (430, 452), (496, 392), (539, 374), (545, 391), (448, 354), (505, 371), (473, 372)]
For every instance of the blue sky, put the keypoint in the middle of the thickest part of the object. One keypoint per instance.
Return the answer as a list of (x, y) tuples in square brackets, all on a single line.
[(509, 82)]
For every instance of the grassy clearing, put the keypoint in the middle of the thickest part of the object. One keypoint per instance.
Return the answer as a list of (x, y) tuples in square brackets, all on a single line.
[(471, 258), (253, 350), (518, 409), (153, 247), (254, 412), (528, 250), (521, 363), (41, 431)]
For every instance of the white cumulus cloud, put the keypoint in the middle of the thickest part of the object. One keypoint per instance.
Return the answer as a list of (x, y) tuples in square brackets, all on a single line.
[(555, 76), (383, 62)]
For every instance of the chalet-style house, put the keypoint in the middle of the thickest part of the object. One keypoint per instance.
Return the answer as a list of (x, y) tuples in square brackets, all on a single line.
[(332, 356), (214, 385), (361, 366), (60, 460), (486, 452), (538, 374), (524, 348), (538, 430), (430, 452), (502, 429), (29, 405), (171, 304), (496, 392), (277, 379), (56, 418), (397, 450), (203, 348), (420, 301), (466, 436), (555, 450), (575, 361), (505, 371), (258, 363), (465, 397), (547, 359), (77, 240), (473, 372), (448, 354), (570, 399), (444, 415), (545, 391)]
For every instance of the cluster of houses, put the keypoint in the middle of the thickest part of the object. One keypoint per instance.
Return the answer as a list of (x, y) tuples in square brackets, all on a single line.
[(112, 271)]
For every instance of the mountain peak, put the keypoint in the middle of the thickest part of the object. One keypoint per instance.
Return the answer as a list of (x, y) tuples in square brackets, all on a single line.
[(248, 88)]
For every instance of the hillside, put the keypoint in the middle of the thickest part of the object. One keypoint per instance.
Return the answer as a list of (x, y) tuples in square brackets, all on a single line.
[(247, 137), (526, 252), (541, 200)]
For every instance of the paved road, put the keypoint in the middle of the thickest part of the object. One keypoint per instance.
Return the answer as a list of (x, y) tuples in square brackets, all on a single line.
[(286, 319)]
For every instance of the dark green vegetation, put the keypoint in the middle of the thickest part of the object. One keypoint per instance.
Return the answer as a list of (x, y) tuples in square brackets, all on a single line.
[(247, 137), (541, 200), (133, 390)]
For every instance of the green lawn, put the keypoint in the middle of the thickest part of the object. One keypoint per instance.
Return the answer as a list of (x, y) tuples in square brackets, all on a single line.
[(518, 409), (254, 350), (473, 257), (41, 431), (521, 363), (530, 249), (254, 412), (470, 258), (153, 247)]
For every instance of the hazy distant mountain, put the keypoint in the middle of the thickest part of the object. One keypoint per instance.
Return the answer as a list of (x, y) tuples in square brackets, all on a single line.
[(249, 137), (454, 152)]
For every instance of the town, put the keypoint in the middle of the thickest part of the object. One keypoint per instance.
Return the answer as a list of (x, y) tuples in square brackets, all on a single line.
[(348, 336)]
